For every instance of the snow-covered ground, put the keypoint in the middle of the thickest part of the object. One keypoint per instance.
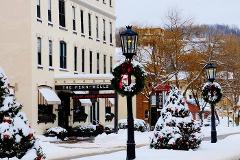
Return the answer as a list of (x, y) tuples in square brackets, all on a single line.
[(116, 142), (102, 143), (222, 128), (227, 149)]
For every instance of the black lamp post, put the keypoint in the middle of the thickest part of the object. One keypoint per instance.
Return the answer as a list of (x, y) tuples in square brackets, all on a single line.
[(211, 74), (129, 49)]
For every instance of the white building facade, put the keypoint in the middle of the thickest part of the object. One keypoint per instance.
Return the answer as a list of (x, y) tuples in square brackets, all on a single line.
[(58, 55)]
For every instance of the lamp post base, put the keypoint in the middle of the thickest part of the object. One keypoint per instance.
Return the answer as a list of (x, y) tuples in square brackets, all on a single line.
[(213, 136), (213, 125), (131, 151)]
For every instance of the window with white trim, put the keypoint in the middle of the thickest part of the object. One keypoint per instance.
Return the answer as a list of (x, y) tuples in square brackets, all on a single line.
[(97, 28), (75, 58), (62, 13), (82, 21), (50, 10), (104, 30), (98, 65), (111, 35), (89, 25), (39, 50), (38, 9), (50, 54), (74, 18), (104, 64), (83, 60), (90, 61), (63, 55)]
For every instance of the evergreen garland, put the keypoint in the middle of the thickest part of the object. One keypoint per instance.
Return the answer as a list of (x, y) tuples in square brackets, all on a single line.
[(127, 68)]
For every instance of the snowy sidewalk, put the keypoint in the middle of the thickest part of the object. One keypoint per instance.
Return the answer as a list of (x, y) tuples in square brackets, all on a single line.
[(123, 148), (112, 143), (226, 149)]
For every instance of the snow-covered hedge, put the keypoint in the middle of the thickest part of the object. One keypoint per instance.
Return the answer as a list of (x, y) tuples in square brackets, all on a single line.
[(59, 132), (109, 129), (139, 125), (87, 131)]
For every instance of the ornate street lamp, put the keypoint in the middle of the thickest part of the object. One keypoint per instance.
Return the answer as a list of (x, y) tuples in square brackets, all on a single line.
[(211, 71), (211, 75), (129, 40), (129, 48)]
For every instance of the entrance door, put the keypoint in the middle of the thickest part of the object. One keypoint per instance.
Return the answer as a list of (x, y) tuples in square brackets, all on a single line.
[(154, 116), (64, 110)]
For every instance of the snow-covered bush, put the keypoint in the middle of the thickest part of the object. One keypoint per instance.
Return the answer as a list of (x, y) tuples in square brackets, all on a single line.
[(17, 140), (175, 129), (87, 131), (109, 129), (109, 116), (59, 132), (139, 125)]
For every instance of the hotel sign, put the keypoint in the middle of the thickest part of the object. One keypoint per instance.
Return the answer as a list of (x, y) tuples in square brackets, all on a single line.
[(93, 96), (83, 87)]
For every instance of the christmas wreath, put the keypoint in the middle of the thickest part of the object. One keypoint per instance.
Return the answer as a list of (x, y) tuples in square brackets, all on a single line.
[(121, 74), (212, 92)]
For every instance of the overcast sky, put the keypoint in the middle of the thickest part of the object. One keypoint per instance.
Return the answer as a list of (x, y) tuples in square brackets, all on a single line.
[(153, 12)]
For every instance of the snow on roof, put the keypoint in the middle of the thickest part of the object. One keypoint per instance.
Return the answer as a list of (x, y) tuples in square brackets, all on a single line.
[(192, 101), (84, 76), (225, 75), (181, 76)]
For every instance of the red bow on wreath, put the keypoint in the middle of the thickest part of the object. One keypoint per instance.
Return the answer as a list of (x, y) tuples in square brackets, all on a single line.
[(127, 68)]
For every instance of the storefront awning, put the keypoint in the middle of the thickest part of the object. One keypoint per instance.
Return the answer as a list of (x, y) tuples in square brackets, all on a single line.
[(85, 102), (50, 96)]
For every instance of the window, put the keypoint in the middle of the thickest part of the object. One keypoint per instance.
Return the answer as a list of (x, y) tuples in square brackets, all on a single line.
[(45, 114), (97, 28), (110, 3), (49, 10), (39, 50), (190, 96), (75, 58), (111, 38), (108, 110), (98, 63), (104, 30), (50, 53), (62, 13), (89, 25), (146, 114), (90, 60), (63, 55), (104, 64), (74, 18), (111, 64), (38, 9), (83, 60), (82, 20), (78, 112)]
